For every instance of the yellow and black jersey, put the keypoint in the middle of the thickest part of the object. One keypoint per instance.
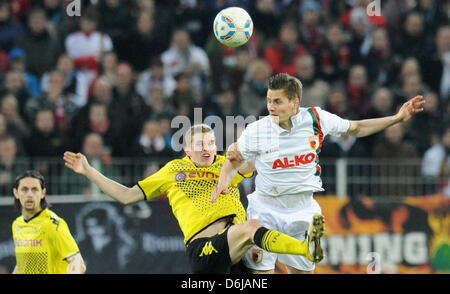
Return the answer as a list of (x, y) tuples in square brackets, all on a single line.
[(189, 189), (43, 244)]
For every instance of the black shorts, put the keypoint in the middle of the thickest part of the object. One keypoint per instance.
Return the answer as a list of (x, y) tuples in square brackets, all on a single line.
[(211, 255)]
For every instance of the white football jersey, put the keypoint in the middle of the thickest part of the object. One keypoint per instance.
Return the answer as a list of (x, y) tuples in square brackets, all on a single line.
[(287, 162)]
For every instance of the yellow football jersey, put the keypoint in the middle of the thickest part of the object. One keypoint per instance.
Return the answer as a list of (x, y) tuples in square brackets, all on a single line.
[(189, 189), (43, 244)]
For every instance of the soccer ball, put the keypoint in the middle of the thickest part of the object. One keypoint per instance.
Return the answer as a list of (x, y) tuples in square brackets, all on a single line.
[(233, 26)]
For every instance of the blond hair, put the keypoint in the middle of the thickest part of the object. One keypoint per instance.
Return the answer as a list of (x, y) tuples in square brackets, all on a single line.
[(196, 129)]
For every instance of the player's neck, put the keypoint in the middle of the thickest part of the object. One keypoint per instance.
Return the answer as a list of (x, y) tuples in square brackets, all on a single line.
[(287, 124), (29, 214)]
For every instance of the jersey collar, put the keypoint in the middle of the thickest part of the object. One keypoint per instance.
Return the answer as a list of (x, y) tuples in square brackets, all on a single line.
[(190, 160), (296, 119), (33, 217)]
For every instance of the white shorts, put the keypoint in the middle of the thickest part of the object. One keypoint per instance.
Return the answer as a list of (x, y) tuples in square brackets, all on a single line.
[(290, 214)]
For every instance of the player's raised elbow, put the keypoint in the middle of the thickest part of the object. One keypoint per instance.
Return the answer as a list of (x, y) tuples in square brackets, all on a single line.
[(132, 195)]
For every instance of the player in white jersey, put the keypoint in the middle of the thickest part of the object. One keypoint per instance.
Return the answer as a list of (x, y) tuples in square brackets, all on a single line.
[(284, 147)]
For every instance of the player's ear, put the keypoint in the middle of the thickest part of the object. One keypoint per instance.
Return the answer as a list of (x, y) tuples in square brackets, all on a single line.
[(16, 193), (44, 192)]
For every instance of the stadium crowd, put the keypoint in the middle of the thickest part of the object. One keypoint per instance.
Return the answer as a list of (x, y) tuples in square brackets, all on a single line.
[(109, 82)]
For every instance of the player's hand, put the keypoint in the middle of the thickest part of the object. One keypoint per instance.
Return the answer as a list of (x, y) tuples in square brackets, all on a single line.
[(410, 108), (217, 191), (76, 162)]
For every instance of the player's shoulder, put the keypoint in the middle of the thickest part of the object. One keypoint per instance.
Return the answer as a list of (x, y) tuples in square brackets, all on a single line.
[(263, 122), (51, 217)]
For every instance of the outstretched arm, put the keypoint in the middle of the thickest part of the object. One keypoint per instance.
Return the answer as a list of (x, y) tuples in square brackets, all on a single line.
[(367, 127), (234, 162), (79, 164)]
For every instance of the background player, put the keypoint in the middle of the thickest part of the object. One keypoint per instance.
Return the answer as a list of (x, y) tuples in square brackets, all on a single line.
[(285, 147), (217, 235), (42, 240)]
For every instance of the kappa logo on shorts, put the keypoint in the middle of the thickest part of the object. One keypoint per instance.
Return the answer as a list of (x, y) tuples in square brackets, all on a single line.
[(257, 255), (208, 249)]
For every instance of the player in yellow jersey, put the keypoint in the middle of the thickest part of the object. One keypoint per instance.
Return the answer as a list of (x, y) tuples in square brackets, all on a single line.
[(43, 243), (216, 234)]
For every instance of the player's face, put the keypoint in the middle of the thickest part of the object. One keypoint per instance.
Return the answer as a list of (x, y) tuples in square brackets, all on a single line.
[(280, 107), (203, 149), (30, 193)]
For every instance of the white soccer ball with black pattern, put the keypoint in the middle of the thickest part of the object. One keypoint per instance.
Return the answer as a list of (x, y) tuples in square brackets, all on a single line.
[(233, 26)]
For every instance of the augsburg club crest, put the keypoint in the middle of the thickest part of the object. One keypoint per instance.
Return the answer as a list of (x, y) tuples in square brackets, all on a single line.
[(314, 142)]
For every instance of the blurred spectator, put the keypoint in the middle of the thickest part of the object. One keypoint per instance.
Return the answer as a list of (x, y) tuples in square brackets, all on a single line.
[(155, 76), (10, 29), (344, 146), (99, 157), (334, 57), (14, 121), (184, 56), (358, 90), (45, 140), (196, 17), (310, 29), (413, 41), (224, 104), (151, 142), (252, 94), (394, 148), (86, 46), (409, 67), (15, 85), (381, 104), (114, 18), (131, 103), (433, 14), (282, 54), (17, 60), (436, 161), (62, 104), (42, 49), (20, 8), (109, 63), (380, 60), (73, 81), (9, 165), (159, 103), (426, 125), (266, 18), (437, 67), (412, 86), (315, 90), (144, 42), (184, 98), (337, 103), (100, 121), (360, 32)]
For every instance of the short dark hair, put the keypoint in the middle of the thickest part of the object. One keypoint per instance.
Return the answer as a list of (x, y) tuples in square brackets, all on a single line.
[(292, 86), (30, 174)]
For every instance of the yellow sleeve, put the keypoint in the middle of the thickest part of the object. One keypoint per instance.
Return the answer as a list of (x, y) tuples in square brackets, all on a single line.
[(153, 185), (239, 177), (64, 241)]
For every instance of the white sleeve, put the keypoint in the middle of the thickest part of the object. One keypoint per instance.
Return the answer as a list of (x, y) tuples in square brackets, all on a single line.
[(247, 145), (332, 124)]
